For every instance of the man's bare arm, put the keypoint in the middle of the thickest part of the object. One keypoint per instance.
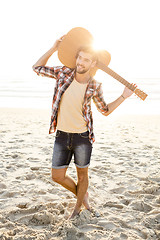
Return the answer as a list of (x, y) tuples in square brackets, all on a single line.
[(113, 105)]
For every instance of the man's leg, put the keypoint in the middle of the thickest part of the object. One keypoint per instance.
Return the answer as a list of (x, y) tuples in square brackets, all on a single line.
[(59, 176), (82, 186), (61, 157)]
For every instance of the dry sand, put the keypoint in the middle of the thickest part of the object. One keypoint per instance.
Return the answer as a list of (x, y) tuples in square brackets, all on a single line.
[(124, 180)]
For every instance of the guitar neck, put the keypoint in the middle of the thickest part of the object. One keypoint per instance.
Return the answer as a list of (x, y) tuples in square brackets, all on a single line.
[(106, 69)]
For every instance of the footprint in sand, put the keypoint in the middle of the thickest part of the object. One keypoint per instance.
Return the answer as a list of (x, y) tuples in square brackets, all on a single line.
[(43, 218), (152, 221), (113, 204), (3, 186), (141, 206), (119, 190)]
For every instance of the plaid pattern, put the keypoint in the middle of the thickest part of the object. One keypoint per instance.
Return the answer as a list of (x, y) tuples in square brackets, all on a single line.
[(64, 77)]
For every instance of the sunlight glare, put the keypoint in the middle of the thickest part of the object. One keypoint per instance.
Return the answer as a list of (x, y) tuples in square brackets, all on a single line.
[(99, 44)]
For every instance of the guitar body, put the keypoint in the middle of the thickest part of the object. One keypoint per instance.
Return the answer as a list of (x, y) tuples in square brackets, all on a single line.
[(78, 37), (70, 44)]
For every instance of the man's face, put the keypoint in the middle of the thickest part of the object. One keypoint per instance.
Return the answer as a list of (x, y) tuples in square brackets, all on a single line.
[(84, 62)]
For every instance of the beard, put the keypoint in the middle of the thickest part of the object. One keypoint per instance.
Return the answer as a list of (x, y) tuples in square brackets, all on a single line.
[(81, 70)]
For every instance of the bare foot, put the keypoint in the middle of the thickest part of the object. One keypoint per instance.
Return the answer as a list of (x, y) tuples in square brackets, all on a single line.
[(74, 214), (86, 205), (86, 201)]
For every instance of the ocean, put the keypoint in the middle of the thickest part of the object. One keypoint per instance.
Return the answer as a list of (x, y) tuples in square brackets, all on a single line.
[(38, 92)]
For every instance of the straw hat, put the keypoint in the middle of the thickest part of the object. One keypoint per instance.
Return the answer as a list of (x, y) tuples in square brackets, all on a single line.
[(72, 41)]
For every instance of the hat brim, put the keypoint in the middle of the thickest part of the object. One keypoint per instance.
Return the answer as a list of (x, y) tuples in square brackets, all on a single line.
[(72, 41)]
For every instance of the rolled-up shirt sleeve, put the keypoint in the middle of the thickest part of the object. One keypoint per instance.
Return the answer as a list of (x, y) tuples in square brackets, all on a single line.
[(99, 101), (47, 71)]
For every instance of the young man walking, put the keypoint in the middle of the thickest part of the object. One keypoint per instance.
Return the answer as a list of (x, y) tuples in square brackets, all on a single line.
[(72, 117)]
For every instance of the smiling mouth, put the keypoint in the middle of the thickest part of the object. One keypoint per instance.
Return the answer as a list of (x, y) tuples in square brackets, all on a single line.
[(80, 66)]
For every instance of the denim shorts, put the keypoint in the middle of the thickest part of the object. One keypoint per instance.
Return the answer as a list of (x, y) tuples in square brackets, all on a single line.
[(71, 144)]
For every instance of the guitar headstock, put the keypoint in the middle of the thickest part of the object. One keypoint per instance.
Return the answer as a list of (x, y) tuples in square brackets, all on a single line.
[(140, 94)]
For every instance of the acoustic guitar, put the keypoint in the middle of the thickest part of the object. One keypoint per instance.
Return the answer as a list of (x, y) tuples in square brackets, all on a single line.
[(78, 37)]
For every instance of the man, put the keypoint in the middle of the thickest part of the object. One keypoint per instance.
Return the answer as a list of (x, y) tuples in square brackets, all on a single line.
[(72, 117)]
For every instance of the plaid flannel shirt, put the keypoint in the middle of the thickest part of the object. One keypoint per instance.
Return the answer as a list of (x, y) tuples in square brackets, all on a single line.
[(64, 77)]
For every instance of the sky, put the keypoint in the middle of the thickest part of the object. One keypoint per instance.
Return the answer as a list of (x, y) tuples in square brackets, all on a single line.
[(128, 29)]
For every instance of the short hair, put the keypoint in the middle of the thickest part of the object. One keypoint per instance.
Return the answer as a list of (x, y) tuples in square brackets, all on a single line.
[(88, 49)]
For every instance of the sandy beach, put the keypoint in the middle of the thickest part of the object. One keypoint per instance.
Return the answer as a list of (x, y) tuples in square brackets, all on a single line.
[(124, 174)]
